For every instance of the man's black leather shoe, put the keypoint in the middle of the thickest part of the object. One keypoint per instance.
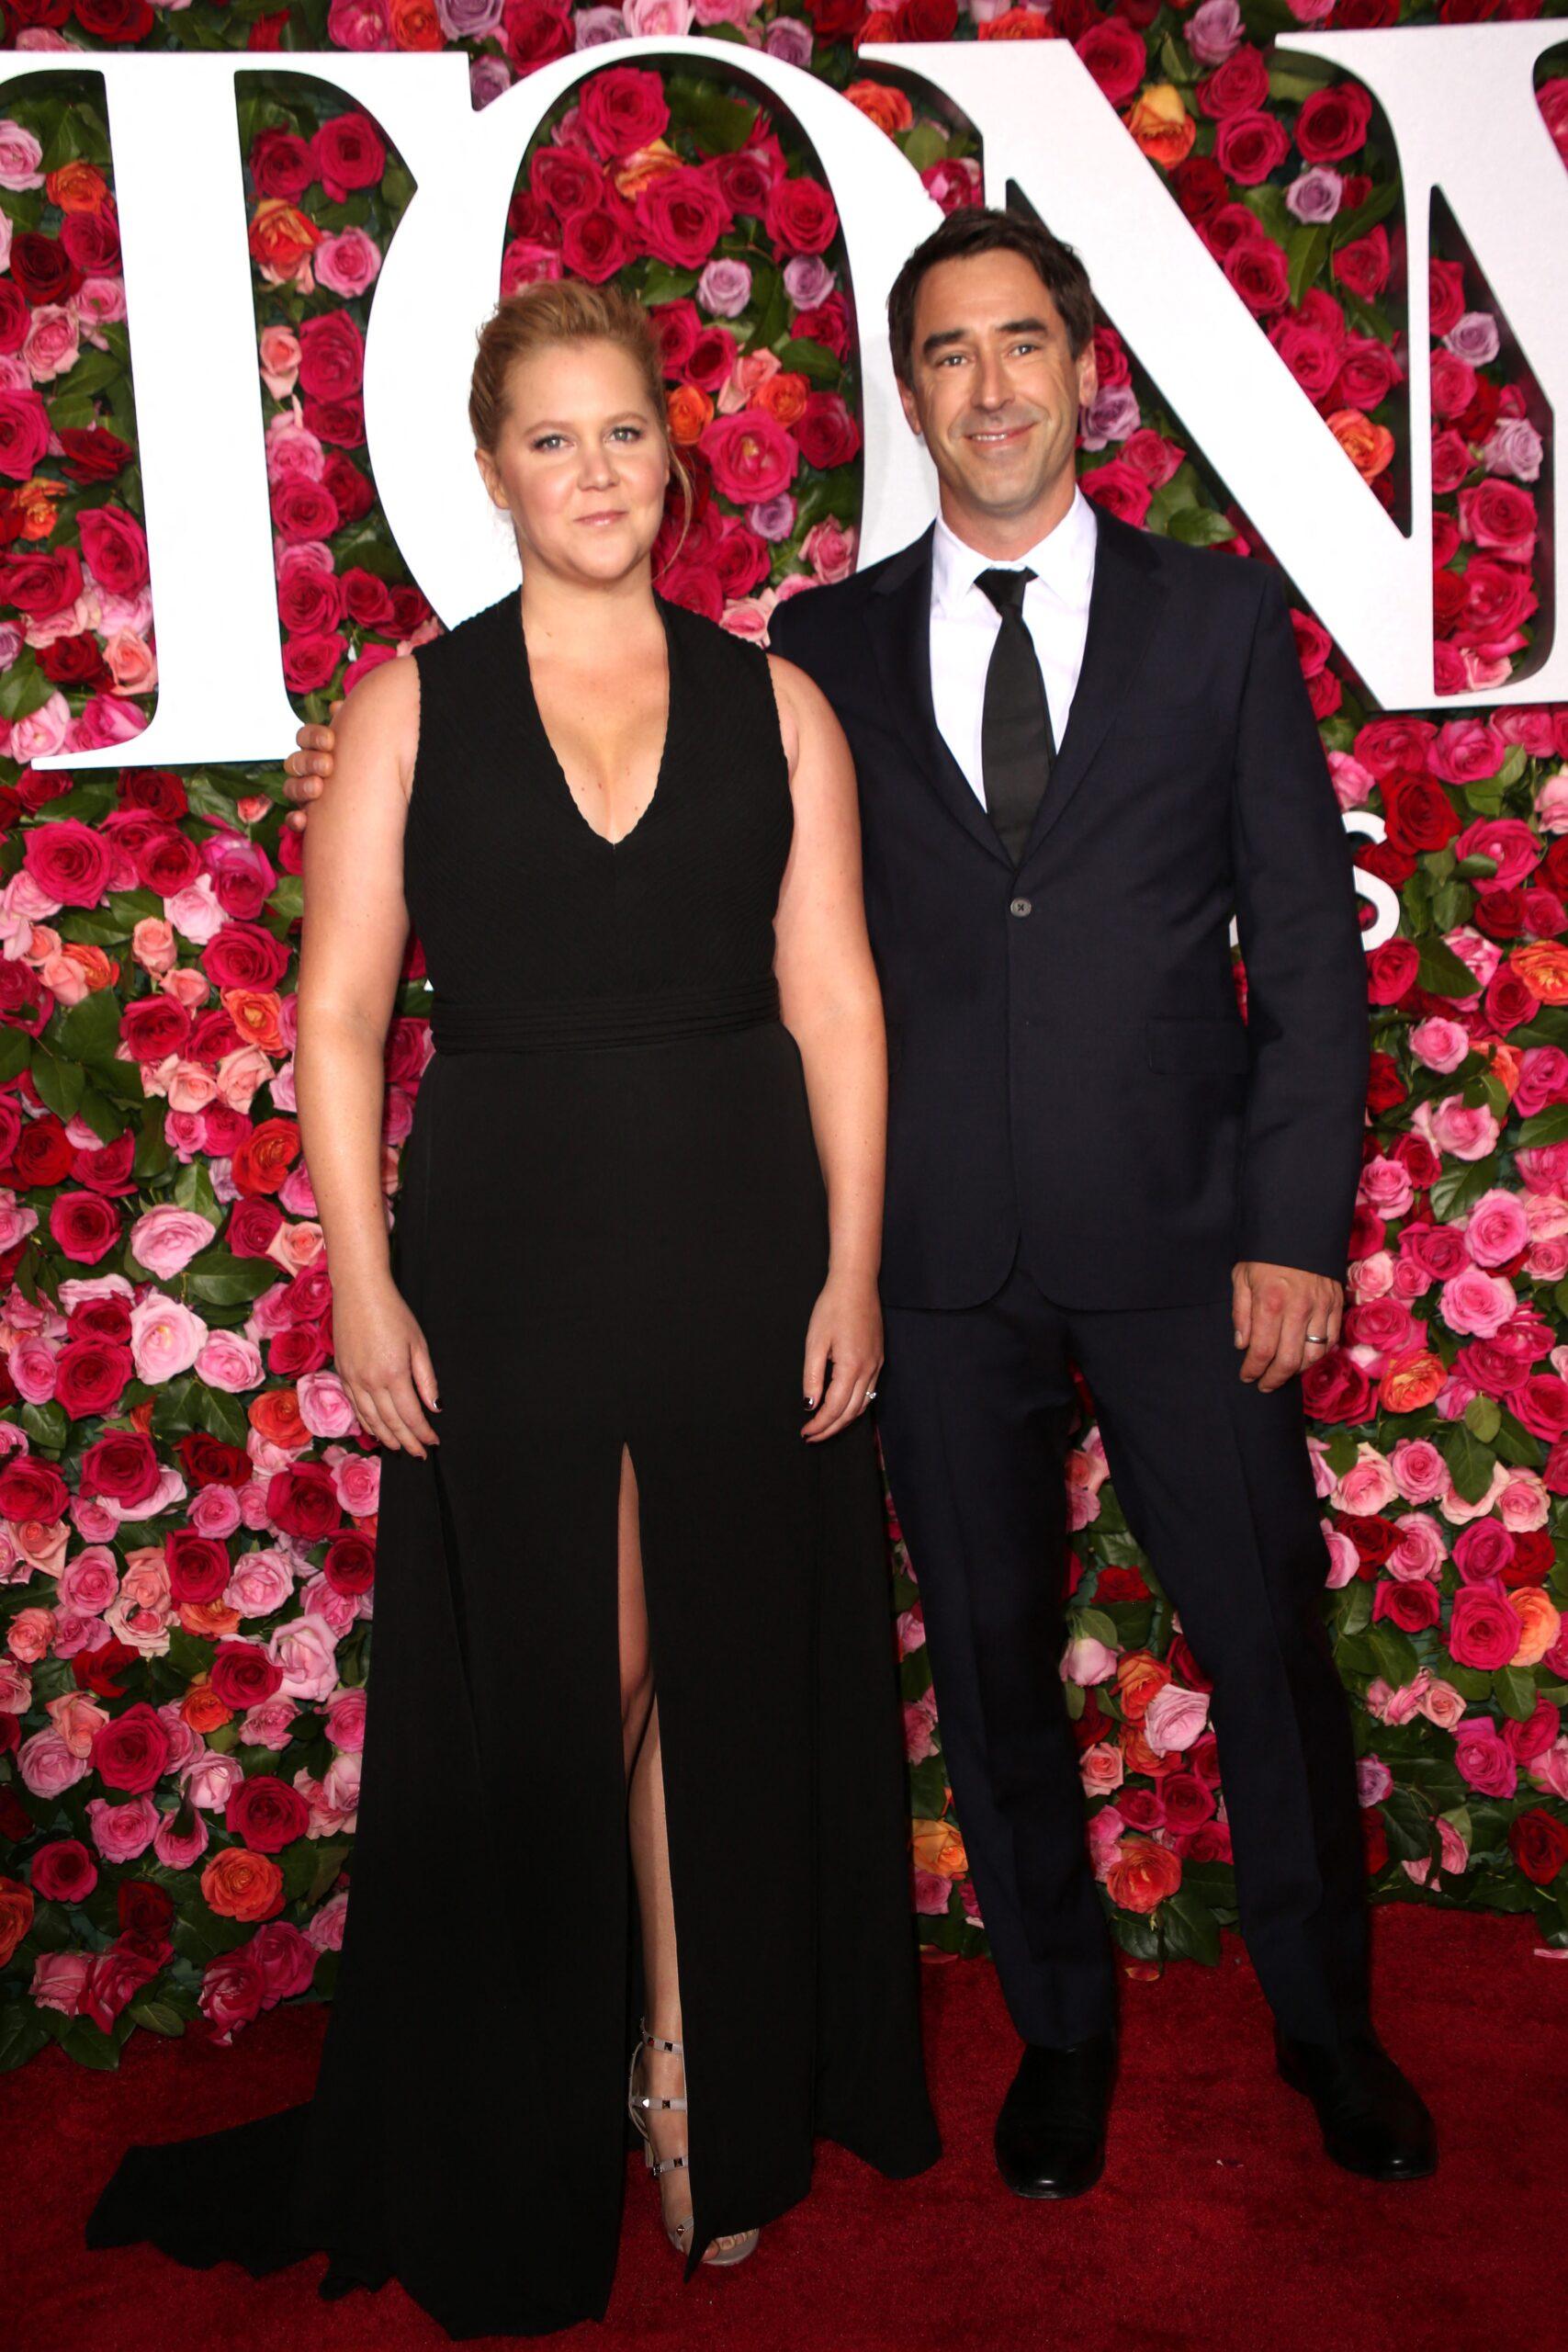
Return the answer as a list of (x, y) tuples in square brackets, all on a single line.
[(1374, 2121), (1050, 2137)]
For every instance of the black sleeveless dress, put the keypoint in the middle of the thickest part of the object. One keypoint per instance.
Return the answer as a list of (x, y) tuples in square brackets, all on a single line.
[(612, 1228)]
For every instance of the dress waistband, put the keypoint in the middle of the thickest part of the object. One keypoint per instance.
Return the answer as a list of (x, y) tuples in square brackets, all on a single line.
[(598, 1022)]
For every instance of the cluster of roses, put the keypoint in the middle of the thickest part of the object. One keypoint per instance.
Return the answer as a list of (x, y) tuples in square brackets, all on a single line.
[(75, 609)]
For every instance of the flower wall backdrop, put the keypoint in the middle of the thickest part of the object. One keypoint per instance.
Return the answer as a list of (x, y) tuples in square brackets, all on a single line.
[(187, 1510)]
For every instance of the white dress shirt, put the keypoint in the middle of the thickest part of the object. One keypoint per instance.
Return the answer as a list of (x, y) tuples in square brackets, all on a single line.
[(965, 623)]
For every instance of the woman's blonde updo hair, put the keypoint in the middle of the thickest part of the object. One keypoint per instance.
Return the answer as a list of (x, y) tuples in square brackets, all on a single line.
[(559, 310)]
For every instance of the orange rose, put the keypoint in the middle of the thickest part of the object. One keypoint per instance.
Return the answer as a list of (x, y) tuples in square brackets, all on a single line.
[(1411, 1380), (1541, 1622), (1369, 446), (254, 1013), (634, 172), (208, 1620), (688, 410), (273, 1414), (77, 187), (415, 25), (1543, 967), (281, 238), (1018, 24), (1160, 124), (34, 507), (939, 1849), (1143, 1874), (1505, 1062), (1138, 1675), (239, 1884), (98, 970), (16, 1915), (783, 395), (889, 109), (201, 1707), (262, 1161)]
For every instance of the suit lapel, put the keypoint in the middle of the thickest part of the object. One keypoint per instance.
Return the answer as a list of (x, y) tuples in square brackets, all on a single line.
[(898, 621), (1123, 605)]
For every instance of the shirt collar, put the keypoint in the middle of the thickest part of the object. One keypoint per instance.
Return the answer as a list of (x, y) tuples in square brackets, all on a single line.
[(1063, 560)]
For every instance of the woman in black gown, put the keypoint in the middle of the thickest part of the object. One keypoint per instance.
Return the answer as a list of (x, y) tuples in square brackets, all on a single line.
[(625, 1573)]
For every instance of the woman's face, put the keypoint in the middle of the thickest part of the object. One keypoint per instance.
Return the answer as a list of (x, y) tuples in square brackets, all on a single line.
[(581, 464)]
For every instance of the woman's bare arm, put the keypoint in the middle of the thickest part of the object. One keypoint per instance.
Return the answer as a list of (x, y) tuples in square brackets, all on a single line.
[(830, 1001), (355, 931)]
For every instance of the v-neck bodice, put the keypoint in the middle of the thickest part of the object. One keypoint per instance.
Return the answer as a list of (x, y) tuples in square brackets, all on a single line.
[(550, 758), (539, 931)]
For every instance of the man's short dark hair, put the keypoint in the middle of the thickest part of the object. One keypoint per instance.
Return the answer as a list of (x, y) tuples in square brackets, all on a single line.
[(983, 228)]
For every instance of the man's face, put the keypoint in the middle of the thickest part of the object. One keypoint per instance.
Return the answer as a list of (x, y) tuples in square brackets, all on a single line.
[(996, 389)]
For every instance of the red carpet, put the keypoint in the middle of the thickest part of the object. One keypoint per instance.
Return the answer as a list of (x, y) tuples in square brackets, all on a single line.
[(1219, 2225)]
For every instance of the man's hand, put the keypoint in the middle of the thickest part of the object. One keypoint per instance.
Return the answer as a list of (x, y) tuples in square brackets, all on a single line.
[(308, 768), (1283, 1318)]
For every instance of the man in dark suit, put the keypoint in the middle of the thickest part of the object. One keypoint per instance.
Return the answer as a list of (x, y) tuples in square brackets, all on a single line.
[(1082, 750)]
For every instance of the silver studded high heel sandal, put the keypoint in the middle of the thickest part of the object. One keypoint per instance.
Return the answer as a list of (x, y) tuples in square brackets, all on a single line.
[(639, 2104)]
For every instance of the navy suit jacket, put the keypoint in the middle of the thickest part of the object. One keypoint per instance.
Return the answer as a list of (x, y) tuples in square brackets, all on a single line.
[(1068, 1068)]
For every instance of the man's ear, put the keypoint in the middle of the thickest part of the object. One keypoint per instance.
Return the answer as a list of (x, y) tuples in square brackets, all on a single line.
[(912, 411)]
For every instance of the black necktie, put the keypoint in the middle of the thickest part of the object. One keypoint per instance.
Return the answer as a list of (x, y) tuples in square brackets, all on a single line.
[(1017, 747)]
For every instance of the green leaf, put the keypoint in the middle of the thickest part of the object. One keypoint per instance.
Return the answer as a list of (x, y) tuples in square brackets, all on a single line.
[(1349, 226), (1306, 250), (222, 1415), (89, 1032), (1549, 1126), (1409, 1824), (15, 1052), (1201, 526), (59, 1084), (1516, 1691), (1395, 1654), (158, 2016), (48, 1425), (1483, 1417), (222, 1279), (1471, 1464), (1188, 1927), (1440, 972), (1093, 1624), (22, 2034), (24, 689), (1135, 1934), (1461, 1186), (812, 360)]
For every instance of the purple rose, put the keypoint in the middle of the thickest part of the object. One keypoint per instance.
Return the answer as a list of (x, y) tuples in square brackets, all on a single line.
[(1316, 196)]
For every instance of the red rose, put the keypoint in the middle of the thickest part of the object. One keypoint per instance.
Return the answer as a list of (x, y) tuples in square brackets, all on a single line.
[(92, 453), (265, 1813), (116, 548), (143, 1909), (233, 1991), (533, 31), (1119, 489), (42, 268), (1539, 1844), (1363, 265), (1200, 188), (244, 1675), (1391, 971), (245, 955), (83, 1228), (567, 180), (1257, 268), (281, 163), (1336, 1389), (1411, 1607), (1482, 1630), (303, 510), (1534, 1557), (116, 22), (64, 1871), (1419, 814), (198, 1566), (622, 110), (30, 1488), (1332, 123), (90, 1376), (132, 1751), (1248, 147), (208, 1462), (682, 214), (752, 456), (1533, 1738), (1189, 1802), (826, 432), (69, 861), (1238, 87), (331, 356), (38, 584), (122, 1466), (311, 598), (351, 494), (115, 1976), (1445, 283), (1116, 57), (301, 1501), (595, 243), (309, 662), (349, 1564), (340, 423), (92, 240), (348, 153), (43, 1153)]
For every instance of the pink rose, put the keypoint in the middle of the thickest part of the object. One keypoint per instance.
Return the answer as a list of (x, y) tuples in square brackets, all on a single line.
[(121, 1832), (1101, 1769), (1495, 1228), (1417, 1551), (1483, 1759), (1458, 1129), (1439, 1045), (1174, 1719), (1442, 1706), (47, 1764), (59, 1980), (167, 1238), (1419, 1470), (165, 1336), (1086, 1662), (306, 1651), (1477, 1303)]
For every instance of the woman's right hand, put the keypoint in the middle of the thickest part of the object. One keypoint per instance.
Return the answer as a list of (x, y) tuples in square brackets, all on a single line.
[(384, 1364)]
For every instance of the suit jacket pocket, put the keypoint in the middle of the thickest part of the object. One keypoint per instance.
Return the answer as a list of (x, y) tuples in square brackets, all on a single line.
[(1199, 1047)]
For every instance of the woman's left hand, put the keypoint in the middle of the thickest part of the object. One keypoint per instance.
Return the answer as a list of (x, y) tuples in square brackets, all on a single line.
[(845, 1330)]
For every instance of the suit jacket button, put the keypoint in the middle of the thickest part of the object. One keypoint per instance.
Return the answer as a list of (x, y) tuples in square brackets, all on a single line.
[(1021, 906)]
